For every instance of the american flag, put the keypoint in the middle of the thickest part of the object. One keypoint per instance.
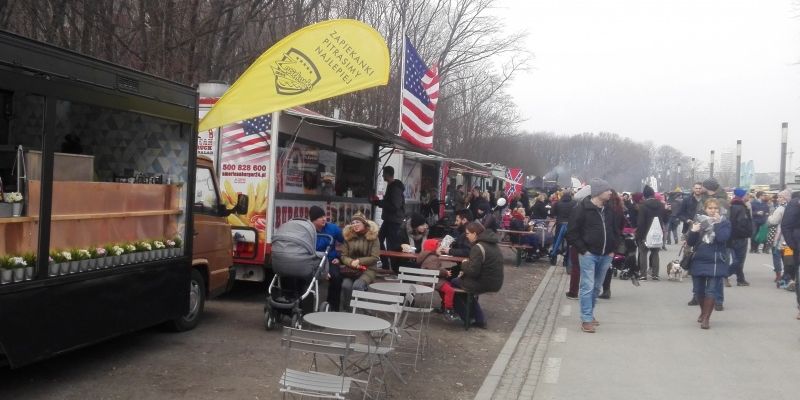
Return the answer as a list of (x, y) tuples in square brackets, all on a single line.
[(420, 95), (247, 141)]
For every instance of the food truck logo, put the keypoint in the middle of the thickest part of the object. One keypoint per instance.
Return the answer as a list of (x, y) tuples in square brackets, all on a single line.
[(295, 73)]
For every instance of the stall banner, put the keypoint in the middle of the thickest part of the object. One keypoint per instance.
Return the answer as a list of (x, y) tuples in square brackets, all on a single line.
[(336, 212), (207, 140), (317, 62), (412, 175), (514, 174), (244, 168)]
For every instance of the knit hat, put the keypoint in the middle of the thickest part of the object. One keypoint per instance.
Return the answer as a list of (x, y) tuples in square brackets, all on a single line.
[(416, 220), (358, 216), (739, 192), (315, 212), (599, 186), (711, 184), (648, 192)]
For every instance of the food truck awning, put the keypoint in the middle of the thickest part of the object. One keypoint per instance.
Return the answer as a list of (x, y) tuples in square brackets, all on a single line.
[(360, 130)]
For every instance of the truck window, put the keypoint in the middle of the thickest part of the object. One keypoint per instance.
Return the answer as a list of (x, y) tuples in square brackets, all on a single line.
[(118, 180), (205, 194)]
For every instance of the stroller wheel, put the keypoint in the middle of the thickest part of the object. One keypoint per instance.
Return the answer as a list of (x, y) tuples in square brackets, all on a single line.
[(325, 306), (269, 318)]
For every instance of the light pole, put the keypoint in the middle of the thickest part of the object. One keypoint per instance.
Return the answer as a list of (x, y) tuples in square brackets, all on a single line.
[(738, 163), (784, 135), (711, 169), (692, 172)]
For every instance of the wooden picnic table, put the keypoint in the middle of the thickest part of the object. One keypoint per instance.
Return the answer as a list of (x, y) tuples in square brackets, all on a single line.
[(518, 248), (413, 256)]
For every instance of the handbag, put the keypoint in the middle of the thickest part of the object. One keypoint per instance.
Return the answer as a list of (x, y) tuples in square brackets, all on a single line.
[(685, 255), (761, 235)]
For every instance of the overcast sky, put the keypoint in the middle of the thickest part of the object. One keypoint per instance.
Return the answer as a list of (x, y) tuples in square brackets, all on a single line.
[(695, 74)]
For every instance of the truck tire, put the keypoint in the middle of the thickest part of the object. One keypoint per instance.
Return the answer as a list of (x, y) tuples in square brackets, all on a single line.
[(197, 301)]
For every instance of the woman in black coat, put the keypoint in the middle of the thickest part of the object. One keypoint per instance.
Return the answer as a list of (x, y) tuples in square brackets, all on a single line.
[(483, 272)]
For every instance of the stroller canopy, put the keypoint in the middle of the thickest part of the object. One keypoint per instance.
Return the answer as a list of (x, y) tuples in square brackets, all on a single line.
[(296, 236)]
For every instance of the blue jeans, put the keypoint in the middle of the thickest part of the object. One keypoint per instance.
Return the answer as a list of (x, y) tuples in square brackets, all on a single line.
[(593, 271), (704, 286), (738, 254), (777, 260)]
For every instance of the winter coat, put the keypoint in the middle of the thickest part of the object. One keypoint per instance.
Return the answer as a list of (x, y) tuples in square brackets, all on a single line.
[(790, 224), (593, 229), (759, 206), (562, 209), (490, 222), (539, 210), (710, 259), (741, 222), (775, 220), (688, 208), (648, 211), (363, 247), (460, 246), (393, 203), (483, 273), (459, 200), (408, 237), (323, 241)]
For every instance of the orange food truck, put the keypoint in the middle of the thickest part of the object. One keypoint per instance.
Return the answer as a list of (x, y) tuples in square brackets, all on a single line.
[(109, 222)]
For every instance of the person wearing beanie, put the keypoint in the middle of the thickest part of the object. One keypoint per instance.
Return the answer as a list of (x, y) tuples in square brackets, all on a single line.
[(741, 231), (594, 230), (651, 211), (711, 190), (711, 185), (360, 255), (327, 230), (414, 233)]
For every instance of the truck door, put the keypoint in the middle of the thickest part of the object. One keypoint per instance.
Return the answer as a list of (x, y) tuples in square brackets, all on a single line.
[(212, 233)]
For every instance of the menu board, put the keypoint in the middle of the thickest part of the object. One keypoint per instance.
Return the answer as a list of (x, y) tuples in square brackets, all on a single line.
[(305, 169)]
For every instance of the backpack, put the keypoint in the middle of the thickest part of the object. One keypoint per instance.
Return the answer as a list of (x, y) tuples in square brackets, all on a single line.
[(655, 236)]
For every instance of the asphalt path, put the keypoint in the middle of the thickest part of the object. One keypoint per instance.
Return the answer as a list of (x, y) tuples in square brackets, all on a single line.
[(649, 345)]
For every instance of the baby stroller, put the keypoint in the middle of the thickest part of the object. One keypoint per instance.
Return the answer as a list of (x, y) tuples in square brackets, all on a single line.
[(624, 264), (297, 266)]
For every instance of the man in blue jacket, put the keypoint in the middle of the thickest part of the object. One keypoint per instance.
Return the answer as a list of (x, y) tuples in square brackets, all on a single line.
[(594, 230), (317, 217)]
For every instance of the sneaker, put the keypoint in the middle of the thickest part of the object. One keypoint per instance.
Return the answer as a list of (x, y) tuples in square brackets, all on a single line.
[(654, 278), (572, 296), (727, 282), (450, 315), (718, 307), (587, 327), (642, 278), (790, 286), (693, 302), (605, 295), (742, 283)]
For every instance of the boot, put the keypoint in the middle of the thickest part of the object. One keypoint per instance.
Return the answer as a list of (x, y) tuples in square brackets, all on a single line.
[(708, 306)]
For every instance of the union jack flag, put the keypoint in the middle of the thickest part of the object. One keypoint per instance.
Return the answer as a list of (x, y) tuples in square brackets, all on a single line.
[(514, 174), (420, 95), (247, 141)]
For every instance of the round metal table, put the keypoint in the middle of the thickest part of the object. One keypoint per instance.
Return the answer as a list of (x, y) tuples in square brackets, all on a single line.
[(400, 288), (344, 321)]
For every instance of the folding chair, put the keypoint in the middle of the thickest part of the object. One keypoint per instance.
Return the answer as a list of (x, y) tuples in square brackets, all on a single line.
[(312, 382), (373, 303), (418, 329)]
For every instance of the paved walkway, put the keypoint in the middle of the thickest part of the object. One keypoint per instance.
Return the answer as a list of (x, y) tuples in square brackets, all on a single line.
[(649, 345)]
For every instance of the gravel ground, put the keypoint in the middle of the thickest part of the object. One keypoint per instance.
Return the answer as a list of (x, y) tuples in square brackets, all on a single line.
[(231, 356)]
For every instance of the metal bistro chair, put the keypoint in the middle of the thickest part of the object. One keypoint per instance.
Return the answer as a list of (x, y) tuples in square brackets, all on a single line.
[(312, 382), (417, 329), (376, 352)]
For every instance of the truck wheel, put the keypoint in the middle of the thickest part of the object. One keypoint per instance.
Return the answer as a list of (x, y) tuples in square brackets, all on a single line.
[(197, 301)]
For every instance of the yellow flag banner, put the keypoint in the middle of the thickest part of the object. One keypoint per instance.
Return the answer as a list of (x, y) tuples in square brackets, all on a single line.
[(317, 62)]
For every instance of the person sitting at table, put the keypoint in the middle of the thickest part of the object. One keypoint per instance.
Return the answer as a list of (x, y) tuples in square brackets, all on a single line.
[(459, 248), (414, 233), (360, 255), (317, 216), (483, 272), (486, 217), (517, 224)]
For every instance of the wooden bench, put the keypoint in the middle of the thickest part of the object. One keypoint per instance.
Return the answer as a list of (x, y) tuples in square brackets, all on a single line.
[(468, 304)]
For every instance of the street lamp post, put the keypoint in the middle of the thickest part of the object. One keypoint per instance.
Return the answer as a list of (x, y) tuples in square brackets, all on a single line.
[(711, 169), (692, 171), (784, 137), (738, 163)]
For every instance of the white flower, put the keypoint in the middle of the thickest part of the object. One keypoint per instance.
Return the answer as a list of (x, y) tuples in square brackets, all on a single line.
[(130, 248), (12, 197), (17, 262), (158, 244), (84, 254), (146, 245), (66, 255), (117, 251)]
